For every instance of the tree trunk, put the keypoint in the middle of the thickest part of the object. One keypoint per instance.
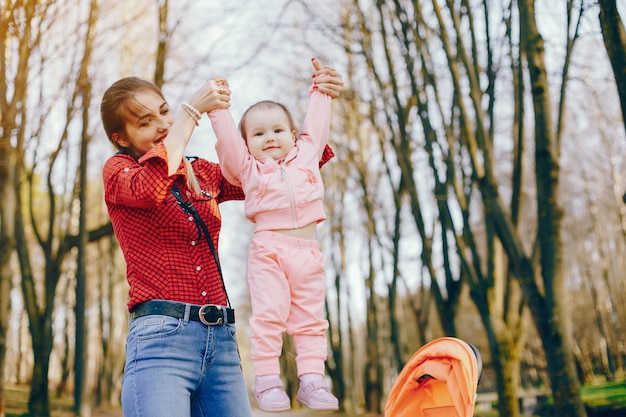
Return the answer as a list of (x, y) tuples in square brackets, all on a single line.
[(7, 244), (508, 401), (565, 387), (112, 340), (40, 324), (13, 32), (614, 36), (38, 402), (82, 403), (162, 47), (551, 316), (65, 353), (505, 361), (373, 364), (337, 370)]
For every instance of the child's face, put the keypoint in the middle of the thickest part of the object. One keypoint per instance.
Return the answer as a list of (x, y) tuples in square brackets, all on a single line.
[(268, 133)]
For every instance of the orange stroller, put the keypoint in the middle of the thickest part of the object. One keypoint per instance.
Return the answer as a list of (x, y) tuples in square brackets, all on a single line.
[(440, 380)]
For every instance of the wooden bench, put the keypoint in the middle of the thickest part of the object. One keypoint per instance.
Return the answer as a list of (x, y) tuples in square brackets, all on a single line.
[(529, 399)]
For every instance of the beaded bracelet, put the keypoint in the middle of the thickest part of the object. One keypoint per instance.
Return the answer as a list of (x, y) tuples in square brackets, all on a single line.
[(192, 111), (193, 116)]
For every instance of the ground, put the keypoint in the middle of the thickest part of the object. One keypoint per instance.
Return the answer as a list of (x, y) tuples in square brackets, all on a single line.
[(255, 413)]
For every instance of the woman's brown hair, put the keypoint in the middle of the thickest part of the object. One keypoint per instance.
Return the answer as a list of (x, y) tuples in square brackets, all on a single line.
[(119, 105)]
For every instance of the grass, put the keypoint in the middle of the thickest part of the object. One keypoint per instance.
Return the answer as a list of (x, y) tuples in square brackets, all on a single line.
[(605, 394), (16, 400), (484, 413), (608, 399), (601, 400)]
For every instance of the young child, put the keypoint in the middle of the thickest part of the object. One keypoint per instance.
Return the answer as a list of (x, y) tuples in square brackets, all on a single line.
[(279, 173)]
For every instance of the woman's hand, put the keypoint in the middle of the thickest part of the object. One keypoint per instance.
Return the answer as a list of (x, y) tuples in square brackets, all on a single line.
[(327, 79), (214, 94)]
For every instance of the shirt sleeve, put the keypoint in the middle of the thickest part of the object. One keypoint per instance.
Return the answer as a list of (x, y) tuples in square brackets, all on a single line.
[(327, 155), (143, 183), (231, 148), (214, 179)]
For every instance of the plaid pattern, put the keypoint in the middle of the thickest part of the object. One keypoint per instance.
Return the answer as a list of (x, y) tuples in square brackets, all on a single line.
[(166, 258)]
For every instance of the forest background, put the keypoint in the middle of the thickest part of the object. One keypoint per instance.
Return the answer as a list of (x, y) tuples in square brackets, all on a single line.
[(477, 189)]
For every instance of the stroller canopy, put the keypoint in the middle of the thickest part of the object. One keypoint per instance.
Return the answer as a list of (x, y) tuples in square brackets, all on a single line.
[(439, 380)]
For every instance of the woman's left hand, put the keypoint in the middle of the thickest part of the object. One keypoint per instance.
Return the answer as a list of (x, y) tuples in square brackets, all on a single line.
[(327, 79), (213, 94)]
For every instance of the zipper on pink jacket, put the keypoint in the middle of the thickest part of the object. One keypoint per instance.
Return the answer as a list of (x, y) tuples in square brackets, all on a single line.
[(292, 203)]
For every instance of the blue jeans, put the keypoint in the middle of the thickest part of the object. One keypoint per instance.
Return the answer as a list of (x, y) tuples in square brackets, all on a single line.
[(181, 368)]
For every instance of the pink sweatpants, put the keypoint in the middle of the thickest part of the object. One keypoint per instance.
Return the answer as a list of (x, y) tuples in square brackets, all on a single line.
[(287, 283)]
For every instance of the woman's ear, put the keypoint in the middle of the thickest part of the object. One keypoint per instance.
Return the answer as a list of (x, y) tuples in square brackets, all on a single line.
[(120, 139), (294, 135)]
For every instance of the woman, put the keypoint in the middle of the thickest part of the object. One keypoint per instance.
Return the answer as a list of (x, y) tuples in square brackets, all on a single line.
[(182, 357)]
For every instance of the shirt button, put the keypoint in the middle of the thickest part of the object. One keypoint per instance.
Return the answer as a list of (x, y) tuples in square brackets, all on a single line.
[(204, 293), (193, 243), (190, 218), (126, 169), (198, 268)]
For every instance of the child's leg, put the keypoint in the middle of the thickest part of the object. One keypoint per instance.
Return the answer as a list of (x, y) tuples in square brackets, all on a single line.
[(269, 295), (270, 299), (306, 323)]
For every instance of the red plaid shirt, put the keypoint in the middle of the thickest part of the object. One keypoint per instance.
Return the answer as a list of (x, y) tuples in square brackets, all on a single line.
[(166, 259)]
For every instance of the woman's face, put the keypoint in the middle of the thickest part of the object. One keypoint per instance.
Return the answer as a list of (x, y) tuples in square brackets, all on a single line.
[(152, 126)]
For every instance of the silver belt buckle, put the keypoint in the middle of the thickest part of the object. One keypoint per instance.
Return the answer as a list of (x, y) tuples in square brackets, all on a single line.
[(204, 320)]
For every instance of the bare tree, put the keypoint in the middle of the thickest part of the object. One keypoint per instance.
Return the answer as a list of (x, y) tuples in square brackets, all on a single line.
[(548, 309), (405, 106), (19, 34), (55, 236), (614, 36), (111, 286), (438, 72), (82, 405)]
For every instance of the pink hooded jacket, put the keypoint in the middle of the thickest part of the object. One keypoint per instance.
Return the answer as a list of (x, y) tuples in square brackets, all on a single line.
[(288, 195)]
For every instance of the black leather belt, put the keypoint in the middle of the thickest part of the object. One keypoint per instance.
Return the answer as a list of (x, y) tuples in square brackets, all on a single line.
[(209, 314)]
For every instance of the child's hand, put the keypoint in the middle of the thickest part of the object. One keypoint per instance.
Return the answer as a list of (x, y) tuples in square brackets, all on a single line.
[(214, 94), (326, 79)]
